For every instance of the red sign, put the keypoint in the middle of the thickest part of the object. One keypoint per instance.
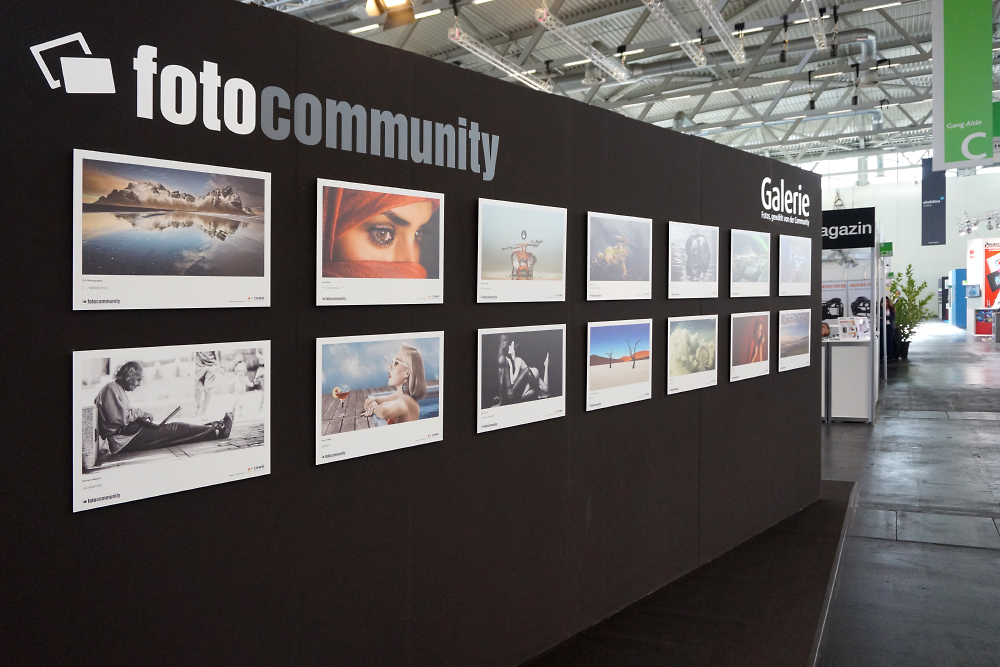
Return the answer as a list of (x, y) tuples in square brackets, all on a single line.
[(992, 273)]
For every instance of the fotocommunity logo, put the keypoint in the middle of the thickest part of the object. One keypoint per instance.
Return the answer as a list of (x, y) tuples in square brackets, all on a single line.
[(80, 75)]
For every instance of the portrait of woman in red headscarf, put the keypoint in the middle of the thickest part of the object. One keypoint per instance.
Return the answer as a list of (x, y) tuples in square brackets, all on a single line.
[(370, 234), (749, 344)]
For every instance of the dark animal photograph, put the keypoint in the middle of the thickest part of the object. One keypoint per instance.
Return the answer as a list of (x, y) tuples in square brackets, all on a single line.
[(694, 253)]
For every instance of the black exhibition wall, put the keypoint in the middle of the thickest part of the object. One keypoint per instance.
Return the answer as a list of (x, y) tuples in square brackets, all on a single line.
[(478, 550)]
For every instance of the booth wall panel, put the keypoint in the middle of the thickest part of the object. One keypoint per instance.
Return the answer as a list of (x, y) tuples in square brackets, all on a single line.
[(481, 549)]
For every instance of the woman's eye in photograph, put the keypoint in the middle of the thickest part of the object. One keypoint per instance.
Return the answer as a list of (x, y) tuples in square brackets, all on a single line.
[(382, 235)]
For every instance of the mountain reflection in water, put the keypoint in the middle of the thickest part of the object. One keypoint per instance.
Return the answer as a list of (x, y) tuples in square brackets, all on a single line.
[(172, 243), (219, 227)]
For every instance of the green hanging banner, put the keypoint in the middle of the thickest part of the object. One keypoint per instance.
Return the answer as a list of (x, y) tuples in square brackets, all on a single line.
[(996, 131), (962, 83)]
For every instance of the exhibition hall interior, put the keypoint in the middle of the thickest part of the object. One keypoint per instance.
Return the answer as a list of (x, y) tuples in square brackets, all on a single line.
[(502, 333)]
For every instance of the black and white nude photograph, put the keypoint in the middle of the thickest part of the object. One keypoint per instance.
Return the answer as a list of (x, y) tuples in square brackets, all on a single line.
[(694, 261), (158, 420), (152, 233), (619, 261), (521, 375)]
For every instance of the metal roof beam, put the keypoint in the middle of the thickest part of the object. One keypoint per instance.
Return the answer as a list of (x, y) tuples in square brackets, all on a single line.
[(833, 137), (902, 32), (659, 47), (716, 87)]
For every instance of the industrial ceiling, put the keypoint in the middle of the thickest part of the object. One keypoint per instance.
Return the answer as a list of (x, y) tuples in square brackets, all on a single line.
[(853, 81)]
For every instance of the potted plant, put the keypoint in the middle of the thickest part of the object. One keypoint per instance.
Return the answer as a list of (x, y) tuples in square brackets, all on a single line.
[(910, 307)]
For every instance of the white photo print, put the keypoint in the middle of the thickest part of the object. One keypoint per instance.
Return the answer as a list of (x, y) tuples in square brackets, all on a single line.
[(694, 261), (157, 420)]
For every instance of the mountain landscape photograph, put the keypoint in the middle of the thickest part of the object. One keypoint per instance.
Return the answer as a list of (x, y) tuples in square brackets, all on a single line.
[(793, 333), (144, 219)]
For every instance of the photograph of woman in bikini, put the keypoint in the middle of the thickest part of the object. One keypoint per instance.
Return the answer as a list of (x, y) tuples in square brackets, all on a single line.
[(367, 383)]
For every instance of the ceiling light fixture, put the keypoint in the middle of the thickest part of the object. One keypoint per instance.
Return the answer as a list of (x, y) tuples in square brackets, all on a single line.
[(487, 54), (397, 12), (423, 15), (714, 18), (611, 66), (676, 30), (632, 52), (479, 2), (364, 28), (736, 33), (577, 62), (872, 9)]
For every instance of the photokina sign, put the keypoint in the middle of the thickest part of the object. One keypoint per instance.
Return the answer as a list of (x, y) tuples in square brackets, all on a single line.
[(312, 120)]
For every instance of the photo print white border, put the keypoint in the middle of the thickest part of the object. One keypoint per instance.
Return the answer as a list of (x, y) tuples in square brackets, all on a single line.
[(124, 484), (742, 289), (364, 442), (128, 292), (799, 360), (693, 381), (789, 288), (612, 290), (679, 289), (505, 416), (376, 291), (630, 393), (747, 371), (519, 291)]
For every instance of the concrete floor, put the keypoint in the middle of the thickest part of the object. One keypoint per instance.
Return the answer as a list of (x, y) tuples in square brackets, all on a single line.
[(919, 581)]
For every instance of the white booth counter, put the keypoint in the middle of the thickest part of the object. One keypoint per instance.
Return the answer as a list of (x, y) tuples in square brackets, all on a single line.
[(854, 282), (849, 394)]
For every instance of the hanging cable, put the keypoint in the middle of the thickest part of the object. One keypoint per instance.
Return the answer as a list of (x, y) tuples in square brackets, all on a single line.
[(857, 81), (784, 47), (836, 30)]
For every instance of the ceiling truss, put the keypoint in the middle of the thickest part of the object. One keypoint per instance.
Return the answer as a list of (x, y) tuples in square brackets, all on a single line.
[(811, 105)]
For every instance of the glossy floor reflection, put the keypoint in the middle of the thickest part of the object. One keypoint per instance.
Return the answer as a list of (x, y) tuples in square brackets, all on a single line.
[(919, 581)]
